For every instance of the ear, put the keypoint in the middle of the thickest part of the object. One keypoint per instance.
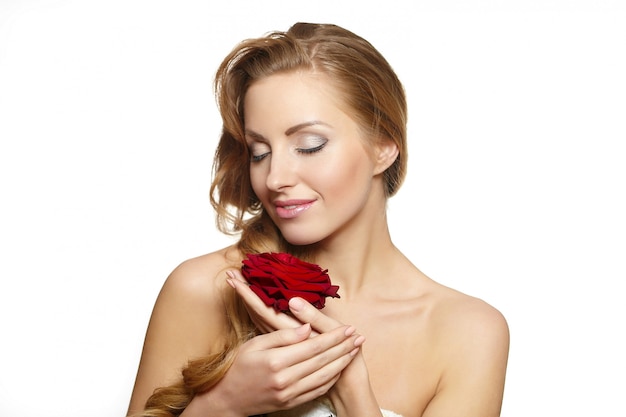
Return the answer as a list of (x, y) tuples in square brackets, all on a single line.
[(385, 154)]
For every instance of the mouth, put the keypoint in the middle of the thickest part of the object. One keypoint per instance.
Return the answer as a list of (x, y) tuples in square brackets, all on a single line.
[(292, 208)]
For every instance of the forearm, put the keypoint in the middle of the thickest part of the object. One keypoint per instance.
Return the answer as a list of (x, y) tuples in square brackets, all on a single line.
[(209, 404)]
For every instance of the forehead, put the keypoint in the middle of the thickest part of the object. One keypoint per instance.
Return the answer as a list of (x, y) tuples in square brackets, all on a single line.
[(297, 94)]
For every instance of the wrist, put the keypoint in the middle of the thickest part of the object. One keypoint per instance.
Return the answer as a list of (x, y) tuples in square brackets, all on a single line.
[(352, 394), (210, 404)]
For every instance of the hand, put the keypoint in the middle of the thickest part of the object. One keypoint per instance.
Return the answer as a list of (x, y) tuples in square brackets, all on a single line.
[(280, 370), (266, 318), (306, 313)]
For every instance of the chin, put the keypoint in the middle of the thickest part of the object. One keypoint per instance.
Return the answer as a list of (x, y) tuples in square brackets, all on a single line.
[(301, 239), (301, 242)]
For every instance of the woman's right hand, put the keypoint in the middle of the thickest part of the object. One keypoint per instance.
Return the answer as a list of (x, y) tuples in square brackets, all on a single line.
[(264, 317), (279, 370)]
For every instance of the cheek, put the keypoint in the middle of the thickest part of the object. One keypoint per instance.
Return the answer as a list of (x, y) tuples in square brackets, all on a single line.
[(257, 181), (345, 176)]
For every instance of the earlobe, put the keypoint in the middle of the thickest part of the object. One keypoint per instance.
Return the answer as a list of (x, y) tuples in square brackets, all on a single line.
[(386, 154)]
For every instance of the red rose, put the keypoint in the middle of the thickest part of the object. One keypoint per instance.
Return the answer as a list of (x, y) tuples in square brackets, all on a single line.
[(278, 277)]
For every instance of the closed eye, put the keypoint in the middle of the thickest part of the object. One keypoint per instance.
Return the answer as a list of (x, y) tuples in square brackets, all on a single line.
[(258, 150), (258, 158), (313, 149)]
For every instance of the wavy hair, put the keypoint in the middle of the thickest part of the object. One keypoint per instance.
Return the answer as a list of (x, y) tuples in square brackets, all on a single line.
[(375, 98)]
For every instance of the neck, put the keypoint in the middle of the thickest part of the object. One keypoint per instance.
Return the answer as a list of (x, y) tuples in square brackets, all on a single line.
[(359, 256)]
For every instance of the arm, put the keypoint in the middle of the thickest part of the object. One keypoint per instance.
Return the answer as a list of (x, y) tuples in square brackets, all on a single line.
[(186, 323), (277, 370), (351, 394), (476, 351)]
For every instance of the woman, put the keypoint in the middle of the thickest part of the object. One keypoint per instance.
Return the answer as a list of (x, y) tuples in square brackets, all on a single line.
[(313, 145)]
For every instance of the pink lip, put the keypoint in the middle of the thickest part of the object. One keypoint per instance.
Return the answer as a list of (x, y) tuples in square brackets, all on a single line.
[(292, 208)]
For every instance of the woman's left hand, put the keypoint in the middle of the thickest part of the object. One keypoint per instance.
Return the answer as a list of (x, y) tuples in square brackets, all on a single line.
[(349, 394)]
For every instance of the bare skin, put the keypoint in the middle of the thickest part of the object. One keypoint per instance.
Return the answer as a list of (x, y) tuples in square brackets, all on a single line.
[(427, 350), (451, 359), (456, 344), (188, 322)]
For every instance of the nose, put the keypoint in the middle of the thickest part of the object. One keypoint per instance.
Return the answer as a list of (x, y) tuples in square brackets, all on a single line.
[(282, 173)]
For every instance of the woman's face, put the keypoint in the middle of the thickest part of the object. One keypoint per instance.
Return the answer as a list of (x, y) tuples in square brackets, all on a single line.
[(309, 166)]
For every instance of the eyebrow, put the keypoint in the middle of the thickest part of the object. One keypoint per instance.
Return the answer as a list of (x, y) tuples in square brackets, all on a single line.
[(288, 132), (300, 126)]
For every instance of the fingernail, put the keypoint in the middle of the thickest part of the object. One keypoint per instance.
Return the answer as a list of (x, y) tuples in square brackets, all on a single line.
[(359, 341), (230, 282), (349, 331), (354, 351), (231, 274), (296, 304)]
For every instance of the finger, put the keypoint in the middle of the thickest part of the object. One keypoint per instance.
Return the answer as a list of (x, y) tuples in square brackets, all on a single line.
[(318, 383), (307, 313), (318, 351), (236, 274), (323, 365), (324, 356), (279, 338), (312, 394), (253, 302), (272, 319)]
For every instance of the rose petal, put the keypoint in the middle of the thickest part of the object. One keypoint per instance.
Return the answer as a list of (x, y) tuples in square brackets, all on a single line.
[(278, 277)]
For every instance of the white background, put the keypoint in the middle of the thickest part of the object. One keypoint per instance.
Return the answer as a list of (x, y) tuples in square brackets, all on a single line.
[(515, 194)]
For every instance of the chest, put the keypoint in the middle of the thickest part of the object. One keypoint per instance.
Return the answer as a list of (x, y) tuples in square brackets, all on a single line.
[(401, 359)]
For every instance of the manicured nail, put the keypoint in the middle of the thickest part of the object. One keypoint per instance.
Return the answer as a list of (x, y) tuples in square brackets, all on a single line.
[(296, 304), (230, 282), (231, 274), (359, 341), (354, 351), (349, 331)]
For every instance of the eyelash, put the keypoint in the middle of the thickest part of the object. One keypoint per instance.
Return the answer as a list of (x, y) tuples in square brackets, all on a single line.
[(259, 158), (312, 150)]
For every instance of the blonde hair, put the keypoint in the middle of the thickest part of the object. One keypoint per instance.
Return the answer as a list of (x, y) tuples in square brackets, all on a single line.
[(375, 97)]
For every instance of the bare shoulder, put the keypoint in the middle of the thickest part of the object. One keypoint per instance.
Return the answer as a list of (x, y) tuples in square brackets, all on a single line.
[(191, 304), (187, 321), (461, 321), (471, 338), (198, 278)]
